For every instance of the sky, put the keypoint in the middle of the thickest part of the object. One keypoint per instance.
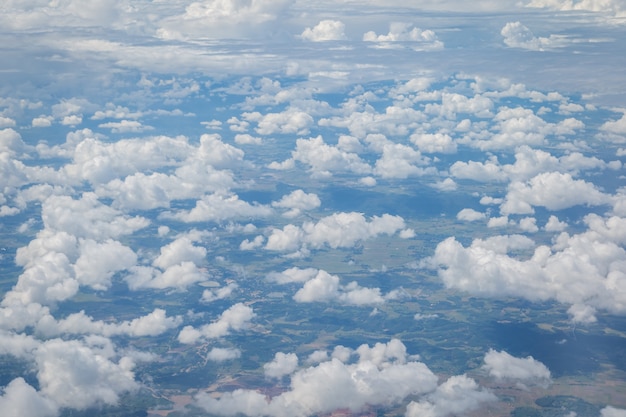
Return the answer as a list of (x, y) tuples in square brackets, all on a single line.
[(206, 156)]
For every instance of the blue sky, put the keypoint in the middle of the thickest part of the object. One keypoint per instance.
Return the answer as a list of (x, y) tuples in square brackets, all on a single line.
[(175, 149)]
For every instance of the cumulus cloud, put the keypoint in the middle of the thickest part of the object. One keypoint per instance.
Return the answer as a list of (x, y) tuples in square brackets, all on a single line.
[(324, 159), (88, 217), (20, 399), (219, 207), (152, 324), (283, 364), (384, 380), (405, 32), (338, 230), (552, 190), (77, 375), (222, 19), (582, 271), (326, 30), (236, 317), (223, 354), (325, 287), (502, 365), (516, 35), (470, 215), (457, 395), (296, 202)]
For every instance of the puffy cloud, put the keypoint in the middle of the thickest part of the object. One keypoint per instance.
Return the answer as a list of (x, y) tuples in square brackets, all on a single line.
[(610, 411), (125, 126), (502, 365), (583, 271), (615, 130), (236, 317), (20, 399), (434, 142), (516, 35), (336, 231), (332, 385), (296, 202), (76, 375), (552, 190), (152, 324), (218, 207), (401, 161), (98, 262), (404, 32), (180, 250), (470, 215), (223, 19), (326, 30), (290, 121), (323, 158), (555, 225), (88, 217), (283, 364), (292, 275), (178, 276), (11, 142), (458, 395), (325, 287)]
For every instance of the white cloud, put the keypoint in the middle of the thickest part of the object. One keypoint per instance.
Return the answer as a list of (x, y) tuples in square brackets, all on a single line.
[(583, 271), (178, 276), (98, 262), (516, 35), (470, 215), (6, 122), (610, 411), (336, 231), (88, 217), (555, 225), (434, 142), (236, 317), (502, 365), (42, 121), (223, 19), (19, 399), (180, 250), (73, 374), (325, 287), (296, 202), (218, 207), (324, 158), (152, 324), (283, 364), (552, 190), (333, 385), (293, 275), (326, 30), (125, 126), (290, 121), (459, 394), (405, 32)]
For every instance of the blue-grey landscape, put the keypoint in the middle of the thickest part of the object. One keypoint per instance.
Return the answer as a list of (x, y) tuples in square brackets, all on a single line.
[(286, 208)]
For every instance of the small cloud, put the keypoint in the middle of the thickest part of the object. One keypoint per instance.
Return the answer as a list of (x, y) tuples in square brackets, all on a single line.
[(470, 215), (405, 32), (42, 121), (125, 126), (326, 30), (516, 35)]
